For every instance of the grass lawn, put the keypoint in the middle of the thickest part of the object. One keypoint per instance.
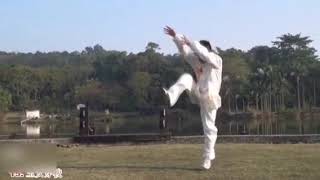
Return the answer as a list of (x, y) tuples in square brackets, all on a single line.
[(182, 161)]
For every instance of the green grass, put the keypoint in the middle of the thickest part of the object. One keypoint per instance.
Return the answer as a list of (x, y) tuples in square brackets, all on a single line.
[(182, 161)]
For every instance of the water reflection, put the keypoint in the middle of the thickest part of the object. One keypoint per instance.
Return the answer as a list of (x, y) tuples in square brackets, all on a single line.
[(32, 130), (179, 123), (273, 123)]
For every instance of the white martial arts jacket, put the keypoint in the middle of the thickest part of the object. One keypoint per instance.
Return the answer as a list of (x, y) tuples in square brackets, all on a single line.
[(208, 72)]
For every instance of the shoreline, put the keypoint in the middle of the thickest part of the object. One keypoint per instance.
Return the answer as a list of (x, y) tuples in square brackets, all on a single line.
[(136, 139)]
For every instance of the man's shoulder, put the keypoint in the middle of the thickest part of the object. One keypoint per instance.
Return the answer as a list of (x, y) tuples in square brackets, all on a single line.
[(216, 57)]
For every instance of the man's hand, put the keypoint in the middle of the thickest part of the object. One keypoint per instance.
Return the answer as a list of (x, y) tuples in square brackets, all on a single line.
[(168, 30)]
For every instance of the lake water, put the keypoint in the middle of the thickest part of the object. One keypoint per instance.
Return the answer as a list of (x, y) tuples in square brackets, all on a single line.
[(283, 123)]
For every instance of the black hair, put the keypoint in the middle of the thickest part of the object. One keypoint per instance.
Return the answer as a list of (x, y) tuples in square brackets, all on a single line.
[(206, 44)]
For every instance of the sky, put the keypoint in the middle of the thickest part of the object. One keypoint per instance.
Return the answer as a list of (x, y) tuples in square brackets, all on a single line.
[(128, 25)]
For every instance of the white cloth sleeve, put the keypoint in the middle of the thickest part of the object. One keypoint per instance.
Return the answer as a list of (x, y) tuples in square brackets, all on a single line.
[(205, 55), (182, 47)]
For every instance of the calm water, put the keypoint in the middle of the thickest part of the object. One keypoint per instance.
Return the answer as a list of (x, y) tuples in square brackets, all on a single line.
[(284, 123)]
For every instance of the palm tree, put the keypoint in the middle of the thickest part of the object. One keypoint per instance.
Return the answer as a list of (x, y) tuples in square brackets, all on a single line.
[(296, 56)]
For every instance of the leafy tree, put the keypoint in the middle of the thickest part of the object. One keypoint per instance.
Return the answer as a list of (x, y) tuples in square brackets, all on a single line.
[(297, 56), (5, 100), (139, 85), (234, 82), (151, 46)]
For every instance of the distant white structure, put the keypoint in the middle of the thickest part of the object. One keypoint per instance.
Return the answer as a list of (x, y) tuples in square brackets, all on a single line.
[(107, 111), (35, 114), (80, 106), (33, 130)]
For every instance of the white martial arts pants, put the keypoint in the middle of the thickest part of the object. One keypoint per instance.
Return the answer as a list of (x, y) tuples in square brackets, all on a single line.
[(186, 82)]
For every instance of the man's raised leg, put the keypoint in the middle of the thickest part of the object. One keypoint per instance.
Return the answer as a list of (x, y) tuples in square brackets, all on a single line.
[(185, 82)]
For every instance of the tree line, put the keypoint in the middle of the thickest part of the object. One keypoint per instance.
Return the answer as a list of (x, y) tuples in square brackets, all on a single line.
[(283, 76)]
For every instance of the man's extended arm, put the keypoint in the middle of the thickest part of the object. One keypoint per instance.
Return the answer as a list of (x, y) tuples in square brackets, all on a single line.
[(182, 47), (203, 53), (178, 39)]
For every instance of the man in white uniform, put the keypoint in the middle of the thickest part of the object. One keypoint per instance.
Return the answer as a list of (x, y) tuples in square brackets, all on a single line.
[(207, 65)]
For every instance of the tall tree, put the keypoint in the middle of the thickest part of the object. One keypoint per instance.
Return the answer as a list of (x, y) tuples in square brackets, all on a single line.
[(296, 55)]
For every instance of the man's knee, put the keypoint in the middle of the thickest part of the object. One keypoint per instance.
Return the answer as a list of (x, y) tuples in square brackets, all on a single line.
[(209, 130), (186, 77), (186, 81)]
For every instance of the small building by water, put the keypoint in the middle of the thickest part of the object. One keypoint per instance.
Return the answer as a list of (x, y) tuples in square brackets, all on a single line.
[(34, 114)]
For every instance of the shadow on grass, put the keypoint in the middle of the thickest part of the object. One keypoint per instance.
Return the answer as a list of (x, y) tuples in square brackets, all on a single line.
[(132, 167)]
